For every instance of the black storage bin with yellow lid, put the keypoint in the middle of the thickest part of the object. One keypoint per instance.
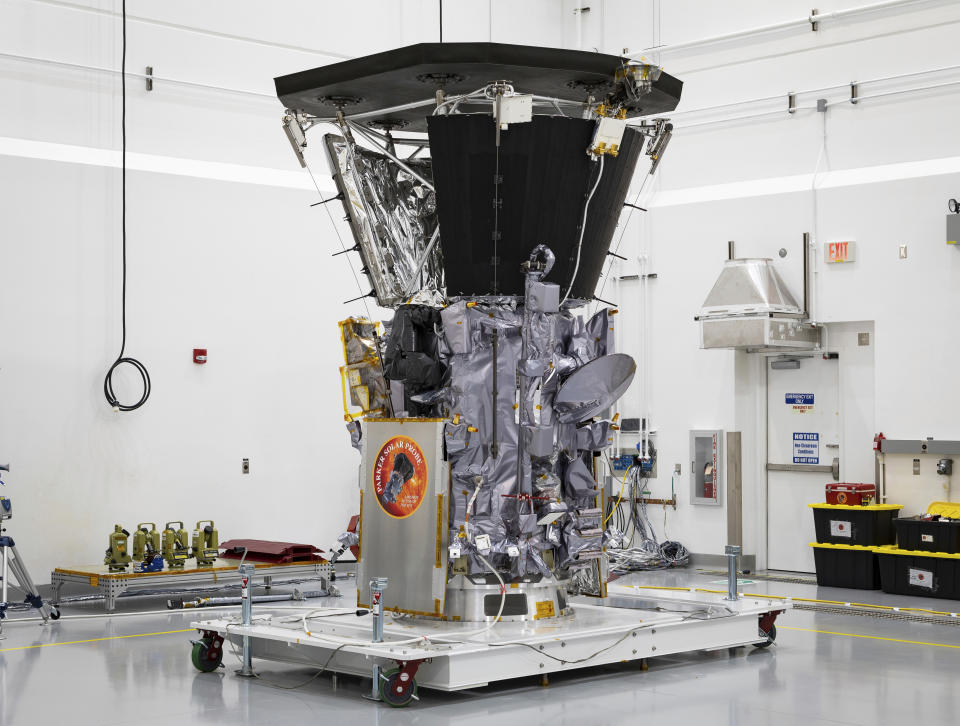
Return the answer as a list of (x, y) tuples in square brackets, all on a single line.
[(914, 533), (909, 572), (940, 532), (842, 565), (855, 524)]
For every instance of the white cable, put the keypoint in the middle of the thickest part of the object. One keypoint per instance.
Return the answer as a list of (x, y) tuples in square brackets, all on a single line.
[(457, 99), (583, 228), (466, 523), (503, 600), (351, 641)]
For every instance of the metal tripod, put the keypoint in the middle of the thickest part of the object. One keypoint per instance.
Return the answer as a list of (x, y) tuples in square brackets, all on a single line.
[(12, 563)]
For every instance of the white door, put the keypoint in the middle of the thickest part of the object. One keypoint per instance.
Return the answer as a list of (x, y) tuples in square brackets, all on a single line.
[(803, 439)]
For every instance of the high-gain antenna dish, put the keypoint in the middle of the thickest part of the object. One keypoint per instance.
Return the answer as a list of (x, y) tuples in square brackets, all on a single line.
[(594, 387)]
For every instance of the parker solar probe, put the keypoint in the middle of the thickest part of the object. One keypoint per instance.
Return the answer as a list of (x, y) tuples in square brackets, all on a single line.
[(481, 408)]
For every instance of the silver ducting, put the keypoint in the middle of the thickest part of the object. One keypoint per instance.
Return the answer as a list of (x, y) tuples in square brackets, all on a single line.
[(751, 308)]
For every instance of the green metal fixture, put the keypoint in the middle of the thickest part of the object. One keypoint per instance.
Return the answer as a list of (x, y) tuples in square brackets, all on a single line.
[(117, 557), (205, 543), (146, 542), (176, 545)]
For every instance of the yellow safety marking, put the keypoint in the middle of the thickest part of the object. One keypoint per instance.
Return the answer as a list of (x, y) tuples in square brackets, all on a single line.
[(439, 530), (94, 640), (858, 507), (870, 637), (792, 598), (545, 609)]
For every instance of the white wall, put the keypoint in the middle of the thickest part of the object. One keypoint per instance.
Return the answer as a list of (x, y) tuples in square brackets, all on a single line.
[(886, 170), (242, 267), (224, 253)]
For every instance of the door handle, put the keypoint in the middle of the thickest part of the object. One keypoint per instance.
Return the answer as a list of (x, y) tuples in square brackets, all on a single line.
[(810, 468), (833, 469)]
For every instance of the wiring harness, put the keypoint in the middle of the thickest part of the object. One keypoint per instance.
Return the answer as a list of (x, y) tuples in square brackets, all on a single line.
[(648, 553)]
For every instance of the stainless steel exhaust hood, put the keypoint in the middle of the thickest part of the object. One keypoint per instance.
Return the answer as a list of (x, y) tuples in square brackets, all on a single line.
[(751, 308)]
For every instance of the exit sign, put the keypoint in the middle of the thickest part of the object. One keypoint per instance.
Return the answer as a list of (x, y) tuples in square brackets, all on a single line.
[(839, 252)]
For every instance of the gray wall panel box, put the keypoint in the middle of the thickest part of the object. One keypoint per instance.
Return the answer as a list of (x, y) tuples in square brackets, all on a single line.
[(706, 467), (750, 308), (953, 229)]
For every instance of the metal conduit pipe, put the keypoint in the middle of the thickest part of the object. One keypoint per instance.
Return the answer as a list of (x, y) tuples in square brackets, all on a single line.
[(844, 101), (823, 89), (676, 116), (803, 22), (192, 29), (130, 74)]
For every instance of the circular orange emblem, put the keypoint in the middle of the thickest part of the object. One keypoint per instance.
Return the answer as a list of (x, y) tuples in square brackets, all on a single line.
[(400, 477)]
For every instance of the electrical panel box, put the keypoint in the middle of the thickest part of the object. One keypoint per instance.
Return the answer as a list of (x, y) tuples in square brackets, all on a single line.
[(623, 459), (706, 462), (515, 110), (953, 229)]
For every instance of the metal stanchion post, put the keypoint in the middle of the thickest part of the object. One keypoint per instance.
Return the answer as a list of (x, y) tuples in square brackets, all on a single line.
[(732, 552), (377, 586), (246, 615)]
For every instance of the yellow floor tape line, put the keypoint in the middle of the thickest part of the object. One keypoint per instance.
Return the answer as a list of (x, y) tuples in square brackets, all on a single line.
[(95, 640), (870, 637), (792, 598)]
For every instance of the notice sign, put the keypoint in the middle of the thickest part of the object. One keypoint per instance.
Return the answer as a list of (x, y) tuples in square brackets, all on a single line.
[(799, 402), (834, 252), (806, 448)]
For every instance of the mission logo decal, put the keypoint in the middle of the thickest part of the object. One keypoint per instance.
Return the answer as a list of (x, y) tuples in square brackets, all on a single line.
[(400, 477)]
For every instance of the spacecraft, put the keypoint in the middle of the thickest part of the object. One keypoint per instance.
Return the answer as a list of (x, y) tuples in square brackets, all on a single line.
[(482, 183)]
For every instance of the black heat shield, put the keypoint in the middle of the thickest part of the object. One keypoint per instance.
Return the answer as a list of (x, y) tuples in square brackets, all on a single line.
[(546, 172), (546, 177), (414, 73)]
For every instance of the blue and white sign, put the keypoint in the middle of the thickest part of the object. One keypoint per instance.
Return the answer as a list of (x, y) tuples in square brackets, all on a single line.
[(806, 448), (799, 399)]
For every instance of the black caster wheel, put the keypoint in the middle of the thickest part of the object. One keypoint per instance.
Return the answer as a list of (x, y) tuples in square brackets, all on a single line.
[(770, 636), (398, 689), (206, 658), (54, 613)]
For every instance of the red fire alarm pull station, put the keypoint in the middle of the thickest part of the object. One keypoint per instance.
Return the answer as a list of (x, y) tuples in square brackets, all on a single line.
[(200, 355)]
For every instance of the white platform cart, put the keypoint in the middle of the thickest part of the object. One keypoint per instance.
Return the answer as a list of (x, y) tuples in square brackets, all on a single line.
[(633, 624)]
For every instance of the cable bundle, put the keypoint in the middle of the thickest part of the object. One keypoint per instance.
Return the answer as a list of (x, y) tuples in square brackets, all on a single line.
[(121, 358), (649, 553)]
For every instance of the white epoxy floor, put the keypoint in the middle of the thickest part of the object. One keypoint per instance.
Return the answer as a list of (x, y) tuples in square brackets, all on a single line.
[(824, 669)]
